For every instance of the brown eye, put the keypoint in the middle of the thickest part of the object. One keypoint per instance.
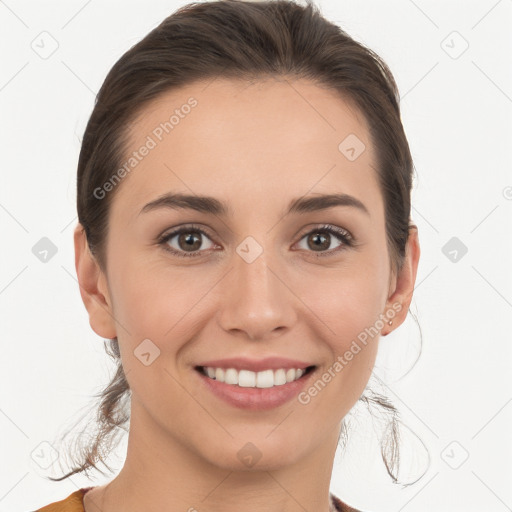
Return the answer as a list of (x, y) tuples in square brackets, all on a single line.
[(188, 241), (320, 239)]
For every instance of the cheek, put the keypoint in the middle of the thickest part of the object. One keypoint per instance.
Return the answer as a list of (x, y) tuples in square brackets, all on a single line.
[(350, 307), (151, 305), (350, 310), (348, 300)]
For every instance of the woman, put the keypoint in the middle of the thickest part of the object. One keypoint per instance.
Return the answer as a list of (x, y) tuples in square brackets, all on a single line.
[(244, 240)]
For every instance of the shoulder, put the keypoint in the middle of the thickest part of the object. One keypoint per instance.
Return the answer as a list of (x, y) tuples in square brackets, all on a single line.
[(73, 503), (339, 506)]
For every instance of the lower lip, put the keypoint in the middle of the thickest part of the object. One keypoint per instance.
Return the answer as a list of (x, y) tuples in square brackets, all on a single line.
[(256, 399)]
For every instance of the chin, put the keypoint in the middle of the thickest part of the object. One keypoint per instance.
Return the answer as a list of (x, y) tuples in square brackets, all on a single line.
[(254, 456)]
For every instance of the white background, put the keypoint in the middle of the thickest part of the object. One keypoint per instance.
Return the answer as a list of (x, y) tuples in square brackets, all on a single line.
[(457, 114)]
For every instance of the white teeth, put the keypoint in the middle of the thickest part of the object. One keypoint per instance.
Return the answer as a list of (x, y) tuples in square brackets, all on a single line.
[(246, 379), (249, 379), (231, 376), (279, 377), (219, 374), (265, 379)]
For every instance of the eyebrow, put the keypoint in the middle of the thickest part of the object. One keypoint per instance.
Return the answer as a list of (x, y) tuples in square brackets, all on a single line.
[(211, 205)]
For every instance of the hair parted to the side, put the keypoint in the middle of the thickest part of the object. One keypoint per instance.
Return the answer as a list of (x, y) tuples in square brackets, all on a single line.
[(240, 40)]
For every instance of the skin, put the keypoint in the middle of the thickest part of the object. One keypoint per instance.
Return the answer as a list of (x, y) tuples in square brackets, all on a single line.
[(255, 146)]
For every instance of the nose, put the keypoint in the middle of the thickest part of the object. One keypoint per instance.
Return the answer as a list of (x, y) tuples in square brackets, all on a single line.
[(256, 300)]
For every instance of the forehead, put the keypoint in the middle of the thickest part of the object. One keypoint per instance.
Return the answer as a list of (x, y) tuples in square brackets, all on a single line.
[(248, 141)]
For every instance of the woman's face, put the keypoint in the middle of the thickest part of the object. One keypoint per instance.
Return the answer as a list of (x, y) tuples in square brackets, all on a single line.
[(261, 282)]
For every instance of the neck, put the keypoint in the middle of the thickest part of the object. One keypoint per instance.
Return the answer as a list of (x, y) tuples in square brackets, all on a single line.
[(161, 473)]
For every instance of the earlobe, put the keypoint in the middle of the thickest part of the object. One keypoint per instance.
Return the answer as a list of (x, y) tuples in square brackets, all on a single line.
[(400, 299), (93, 287)]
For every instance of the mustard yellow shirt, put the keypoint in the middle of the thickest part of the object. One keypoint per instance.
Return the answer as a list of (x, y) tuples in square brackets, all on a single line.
[(75, 503)]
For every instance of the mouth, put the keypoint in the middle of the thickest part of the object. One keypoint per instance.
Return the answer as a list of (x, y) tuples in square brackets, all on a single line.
[(263, 379), (254, 390)]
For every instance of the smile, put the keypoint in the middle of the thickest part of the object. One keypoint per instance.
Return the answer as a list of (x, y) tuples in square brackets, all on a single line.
[(249, 379)]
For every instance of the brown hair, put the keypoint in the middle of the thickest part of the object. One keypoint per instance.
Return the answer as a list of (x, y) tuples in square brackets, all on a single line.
[(242, 40)]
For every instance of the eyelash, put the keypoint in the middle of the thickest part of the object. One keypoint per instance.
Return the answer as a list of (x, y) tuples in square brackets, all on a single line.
[(342, 234)]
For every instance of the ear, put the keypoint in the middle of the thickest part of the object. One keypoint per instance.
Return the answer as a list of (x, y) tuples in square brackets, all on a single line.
[(93, 287), (402, 285)]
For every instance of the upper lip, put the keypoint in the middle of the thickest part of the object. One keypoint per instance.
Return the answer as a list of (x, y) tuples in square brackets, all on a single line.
[(256, 365)]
